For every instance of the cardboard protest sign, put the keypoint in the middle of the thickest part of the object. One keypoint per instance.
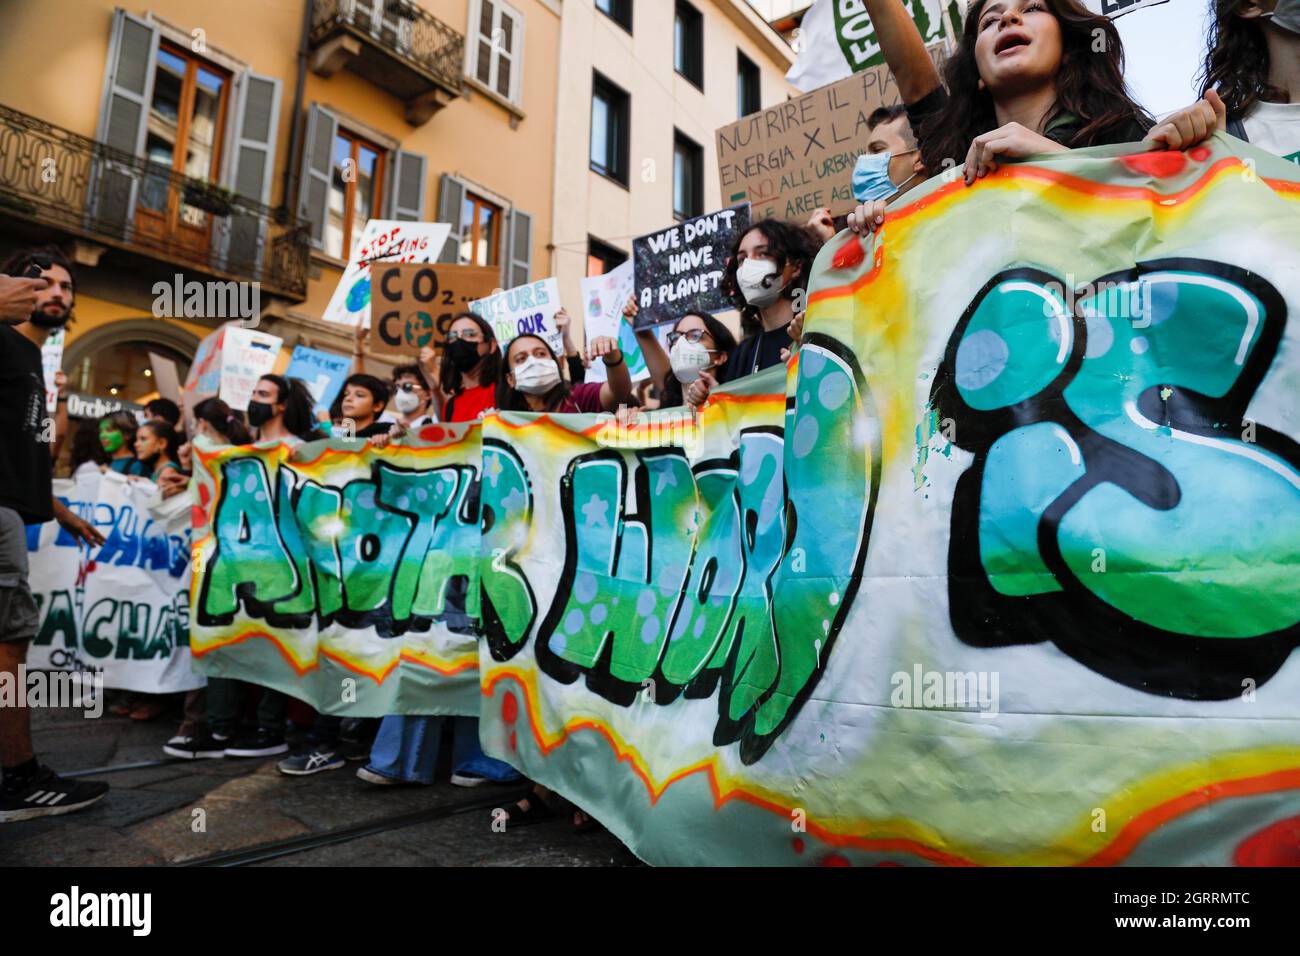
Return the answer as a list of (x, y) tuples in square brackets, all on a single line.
[(527, 309), (165, 376), (679, 269), (383, 239), (246, 355), (51, 362), (792, 159), (415, 304), (324, 372)]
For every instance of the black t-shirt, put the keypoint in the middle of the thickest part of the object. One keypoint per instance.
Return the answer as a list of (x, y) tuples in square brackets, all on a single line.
[(26, 470), (757, 352), (1061, 130)]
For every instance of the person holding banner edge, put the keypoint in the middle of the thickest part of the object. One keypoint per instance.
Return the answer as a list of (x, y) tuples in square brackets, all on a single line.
[(1026, 78), (1253, 66)]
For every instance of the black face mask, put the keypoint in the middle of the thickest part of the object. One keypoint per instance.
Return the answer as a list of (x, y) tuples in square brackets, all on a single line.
[(259, 413), (464, 355)]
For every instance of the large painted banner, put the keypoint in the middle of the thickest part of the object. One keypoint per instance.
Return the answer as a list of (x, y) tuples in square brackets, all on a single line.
[(342, 574), (121, 608), (1001, 570)]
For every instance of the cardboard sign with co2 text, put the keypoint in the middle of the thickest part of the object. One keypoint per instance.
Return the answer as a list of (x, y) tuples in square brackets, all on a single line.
[(414, 304)]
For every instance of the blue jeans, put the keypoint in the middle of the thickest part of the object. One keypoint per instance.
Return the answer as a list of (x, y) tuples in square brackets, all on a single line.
[(406, 748)]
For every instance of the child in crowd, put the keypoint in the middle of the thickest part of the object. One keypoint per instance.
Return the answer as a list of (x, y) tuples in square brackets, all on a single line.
[(361, 401), (156, 446), (117, 438)]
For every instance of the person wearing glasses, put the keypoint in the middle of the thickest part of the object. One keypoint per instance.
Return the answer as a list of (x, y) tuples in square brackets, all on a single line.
[(412, 398), (697, 344), (463, 384)]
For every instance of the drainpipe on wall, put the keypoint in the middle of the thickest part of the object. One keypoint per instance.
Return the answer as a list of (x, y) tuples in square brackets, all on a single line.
[(295, 161)]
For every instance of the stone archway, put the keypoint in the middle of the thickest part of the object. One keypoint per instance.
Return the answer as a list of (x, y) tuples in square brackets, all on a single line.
[(152, 331)]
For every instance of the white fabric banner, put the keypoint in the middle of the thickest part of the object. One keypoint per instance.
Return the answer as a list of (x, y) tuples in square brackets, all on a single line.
[(121, 608)]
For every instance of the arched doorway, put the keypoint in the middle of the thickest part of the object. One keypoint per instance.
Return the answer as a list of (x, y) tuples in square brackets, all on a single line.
[(109, 368), (112, 361)]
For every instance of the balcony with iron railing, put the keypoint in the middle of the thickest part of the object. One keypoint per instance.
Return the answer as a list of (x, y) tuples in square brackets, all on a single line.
[(396, 45), (57, 183)]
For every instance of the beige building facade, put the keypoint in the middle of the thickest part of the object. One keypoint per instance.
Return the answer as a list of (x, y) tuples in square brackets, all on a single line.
[(249, 141), (671, 74)]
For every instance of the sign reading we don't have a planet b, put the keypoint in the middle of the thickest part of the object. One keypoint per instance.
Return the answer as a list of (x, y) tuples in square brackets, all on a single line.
[(679, 269)]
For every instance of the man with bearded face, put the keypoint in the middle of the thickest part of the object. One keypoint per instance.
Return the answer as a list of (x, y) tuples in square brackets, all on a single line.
[(27, 789)]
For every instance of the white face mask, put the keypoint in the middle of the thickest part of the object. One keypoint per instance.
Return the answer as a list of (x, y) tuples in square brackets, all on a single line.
[(759, 282), (688, 360), (406, 402), (536, 376)]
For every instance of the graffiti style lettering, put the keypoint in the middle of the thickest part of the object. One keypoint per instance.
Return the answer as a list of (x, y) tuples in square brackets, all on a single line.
[(1094, 431), (397, 550), (701, 583), (509, 607)]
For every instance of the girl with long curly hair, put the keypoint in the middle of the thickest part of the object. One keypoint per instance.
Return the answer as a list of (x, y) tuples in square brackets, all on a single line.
[(1027, 77)]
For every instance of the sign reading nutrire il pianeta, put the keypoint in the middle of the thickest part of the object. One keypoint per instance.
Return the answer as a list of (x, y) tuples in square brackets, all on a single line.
[(795, 158), (679, 269)]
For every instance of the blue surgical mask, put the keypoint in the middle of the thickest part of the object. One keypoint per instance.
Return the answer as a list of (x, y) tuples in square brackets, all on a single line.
[(1287, 15), (871, 177)]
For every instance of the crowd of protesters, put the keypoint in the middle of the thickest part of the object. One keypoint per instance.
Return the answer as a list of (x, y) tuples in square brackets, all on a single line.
[(1027, 77)]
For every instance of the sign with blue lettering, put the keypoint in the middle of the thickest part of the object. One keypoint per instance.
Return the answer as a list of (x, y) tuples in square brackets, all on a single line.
[(524, 310), (324, 372)]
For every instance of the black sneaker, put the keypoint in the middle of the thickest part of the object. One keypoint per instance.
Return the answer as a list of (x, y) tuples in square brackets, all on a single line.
[(262, 743), (48, 795), (356, 737), (310, 761), (203, 747)]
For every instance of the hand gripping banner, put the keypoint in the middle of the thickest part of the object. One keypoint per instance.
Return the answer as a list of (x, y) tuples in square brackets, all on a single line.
[(1001, 570)]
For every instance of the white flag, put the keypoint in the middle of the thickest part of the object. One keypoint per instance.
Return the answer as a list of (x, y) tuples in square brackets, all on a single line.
[(837, 38), (1117, 8)]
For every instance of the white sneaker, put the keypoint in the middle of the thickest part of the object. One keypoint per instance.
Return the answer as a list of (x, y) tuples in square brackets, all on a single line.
[(468, 779), (378, 779)]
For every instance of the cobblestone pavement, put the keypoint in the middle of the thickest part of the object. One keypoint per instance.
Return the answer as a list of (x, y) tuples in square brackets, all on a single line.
[(151, 817)]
